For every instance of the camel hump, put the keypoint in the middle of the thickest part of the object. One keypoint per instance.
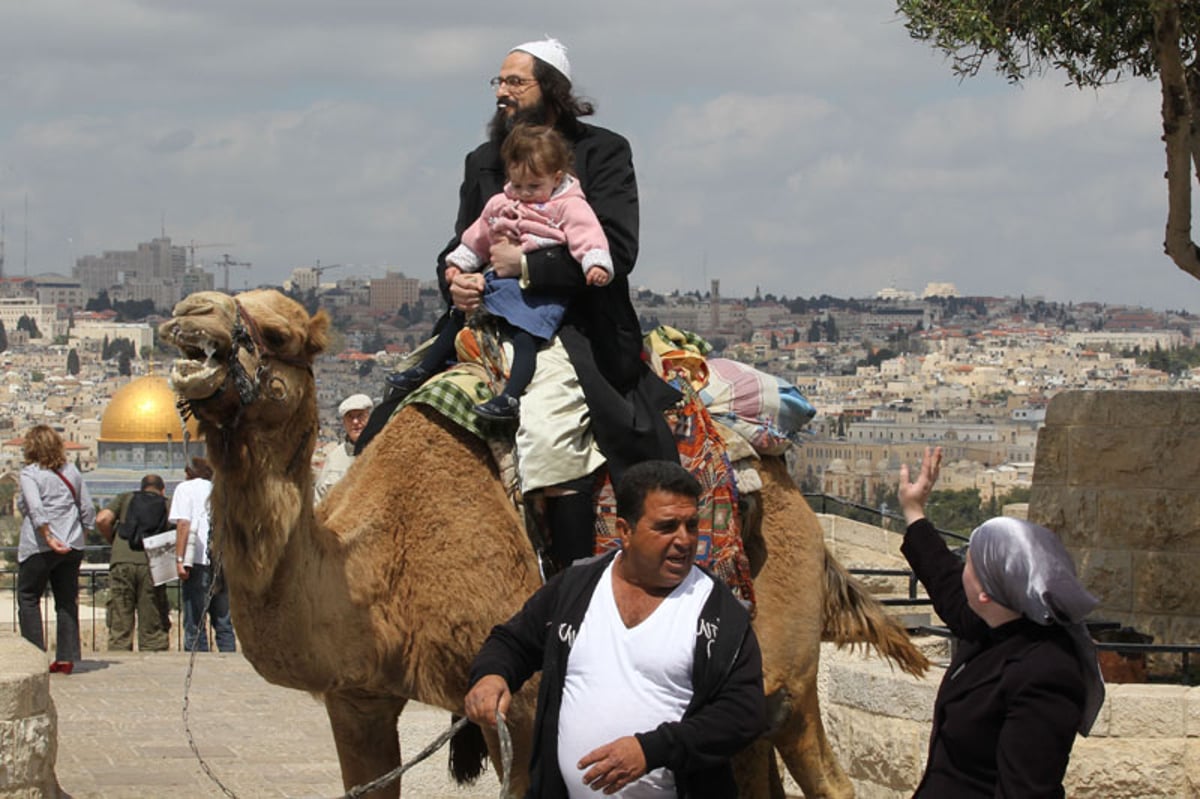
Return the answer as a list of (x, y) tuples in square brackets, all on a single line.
[(852, 616)]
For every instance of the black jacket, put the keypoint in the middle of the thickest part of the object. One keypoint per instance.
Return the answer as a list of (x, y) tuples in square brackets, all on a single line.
[(1007, 710), (600, 331), (726, 713)]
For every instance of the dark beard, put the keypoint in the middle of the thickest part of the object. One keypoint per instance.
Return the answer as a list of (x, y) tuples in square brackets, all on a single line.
[(501, 123)]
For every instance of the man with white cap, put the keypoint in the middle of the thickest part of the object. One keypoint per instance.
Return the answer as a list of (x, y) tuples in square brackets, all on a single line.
[(591, 375), (338, 455)]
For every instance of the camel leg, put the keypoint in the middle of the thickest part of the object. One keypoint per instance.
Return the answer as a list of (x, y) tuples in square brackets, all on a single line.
[(800, 740), (777, 791), (755, 771), (364, 731)]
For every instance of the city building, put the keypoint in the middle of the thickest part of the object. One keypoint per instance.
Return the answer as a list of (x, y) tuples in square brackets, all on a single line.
[(394, 292), (92, 333), (939, 290), (157, 270), (60, 291), (44, 316)]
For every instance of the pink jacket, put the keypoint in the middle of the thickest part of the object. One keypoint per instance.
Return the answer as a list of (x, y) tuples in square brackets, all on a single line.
[(566, 218)]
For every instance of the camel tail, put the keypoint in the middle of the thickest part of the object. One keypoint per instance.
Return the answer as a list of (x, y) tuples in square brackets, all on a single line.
[(468, 754), (852, 616)]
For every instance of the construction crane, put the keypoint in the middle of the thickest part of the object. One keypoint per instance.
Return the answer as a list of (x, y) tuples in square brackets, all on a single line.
[(227, 262), (191, 248), (309, 277), (318, 269)]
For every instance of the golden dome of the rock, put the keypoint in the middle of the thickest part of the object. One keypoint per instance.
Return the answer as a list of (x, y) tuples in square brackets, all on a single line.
[(144, 412)]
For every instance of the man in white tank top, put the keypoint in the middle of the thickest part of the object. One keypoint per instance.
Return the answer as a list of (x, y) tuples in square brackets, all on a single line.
[(651, 675)]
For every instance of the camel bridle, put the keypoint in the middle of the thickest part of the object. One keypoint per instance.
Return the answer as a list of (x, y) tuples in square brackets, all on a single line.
[(246, 335)]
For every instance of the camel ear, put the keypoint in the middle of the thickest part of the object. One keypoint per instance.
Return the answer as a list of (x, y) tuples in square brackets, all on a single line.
[(318, 333)]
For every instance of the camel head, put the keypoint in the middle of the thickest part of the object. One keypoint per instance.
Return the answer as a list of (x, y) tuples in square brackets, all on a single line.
[(246, 359), (246, 375)]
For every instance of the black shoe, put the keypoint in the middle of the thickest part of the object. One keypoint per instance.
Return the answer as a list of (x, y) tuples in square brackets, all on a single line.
[(501, 408), (406, 382)]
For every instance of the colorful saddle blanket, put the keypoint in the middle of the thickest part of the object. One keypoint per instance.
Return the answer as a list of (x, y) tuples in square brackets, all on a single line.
[(702, 452), (765, 410), (481, 372)]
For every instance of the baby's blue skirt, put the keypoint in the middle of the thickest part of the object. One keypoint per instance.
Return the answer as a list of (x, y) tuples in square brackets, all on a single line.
[(540, 316)]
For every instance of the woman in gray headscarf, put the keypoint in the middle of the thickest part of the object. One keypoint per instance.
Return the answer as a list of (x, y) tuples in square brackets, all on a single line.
[(1024, 677)]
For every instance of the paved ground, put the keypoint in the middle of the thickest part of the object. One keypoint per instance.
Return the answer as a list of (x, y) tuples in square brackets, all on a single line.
[(121, 733)]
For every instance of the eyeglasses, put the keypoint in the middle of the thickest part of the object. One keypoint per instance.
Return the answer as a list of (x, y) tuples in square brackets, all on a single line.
[(512, 82)]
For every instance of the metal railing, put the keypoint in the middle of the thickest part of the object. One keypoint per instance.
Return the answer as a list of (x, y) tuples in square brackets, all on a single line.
[(96, 575), (913, 583), (93, 575), (1185, 651), (839, 506)]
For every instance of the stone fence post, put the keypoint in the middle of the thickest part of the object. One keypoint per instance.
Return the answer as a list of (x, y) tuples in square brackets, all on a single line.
[(28, 723), (1118, 478)]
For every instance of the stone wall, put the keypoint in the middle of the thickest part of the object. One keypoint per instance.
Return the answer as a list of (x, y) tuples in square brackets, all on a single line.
[(1117, 476), (28, 724)]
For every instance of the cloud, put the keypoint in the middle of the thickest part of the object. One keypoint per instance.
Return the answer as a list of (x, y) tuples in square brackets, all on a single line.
[(730, 131), (176, 140), (805, 148)]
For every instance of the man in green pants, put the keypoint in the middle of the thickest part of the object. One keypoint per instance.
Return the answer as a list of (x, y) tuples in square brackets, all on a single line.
[(131, 590)]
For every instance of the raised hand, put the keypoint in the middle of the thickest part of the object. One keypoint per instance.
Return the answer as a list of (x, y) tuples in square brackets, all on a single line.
[(914, 494)]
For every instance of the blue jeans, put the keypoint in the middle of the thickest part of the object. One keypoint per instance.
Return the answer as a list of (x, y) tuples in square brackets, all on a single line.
[(195, 594)]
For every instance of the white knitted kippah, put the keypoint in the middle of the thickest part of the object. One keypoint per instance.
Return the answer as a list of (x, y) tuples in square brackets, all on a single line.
[(552, 51)]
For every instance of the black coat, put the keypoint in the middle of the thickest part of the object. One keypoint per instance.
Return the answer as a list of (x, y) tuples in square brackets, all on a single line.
[(726, 713), (1010, 703), (600, 331)]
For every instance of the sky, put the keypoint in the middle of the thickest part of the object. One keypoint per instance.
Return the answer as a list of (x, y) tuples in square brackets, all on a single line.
[(792, 147)]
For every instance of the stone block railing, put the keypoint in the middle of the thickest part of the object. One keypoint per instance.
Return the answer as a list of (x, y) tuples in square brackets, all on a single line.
[(857, 543), (28, 723), (1145, 744), (860, 545)]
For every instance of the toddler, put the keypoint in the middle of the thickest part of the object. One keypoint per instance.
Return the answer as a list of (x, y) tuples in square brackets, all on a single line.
[(542, 205)]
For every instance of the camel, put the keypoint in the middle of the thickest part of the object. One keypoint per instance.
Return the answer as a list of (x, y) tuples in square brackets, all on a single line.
[(386, 591)]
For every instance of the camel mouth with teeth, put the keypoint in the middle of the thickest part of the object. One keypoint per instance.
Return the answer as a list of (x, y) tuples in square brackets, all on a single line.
[(237, 351), (202, 370)]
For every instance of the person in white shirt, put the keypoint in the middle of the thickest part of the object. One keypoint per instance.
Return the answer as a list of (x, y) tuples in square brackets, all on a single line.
[(190, 512), (651, 674)]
